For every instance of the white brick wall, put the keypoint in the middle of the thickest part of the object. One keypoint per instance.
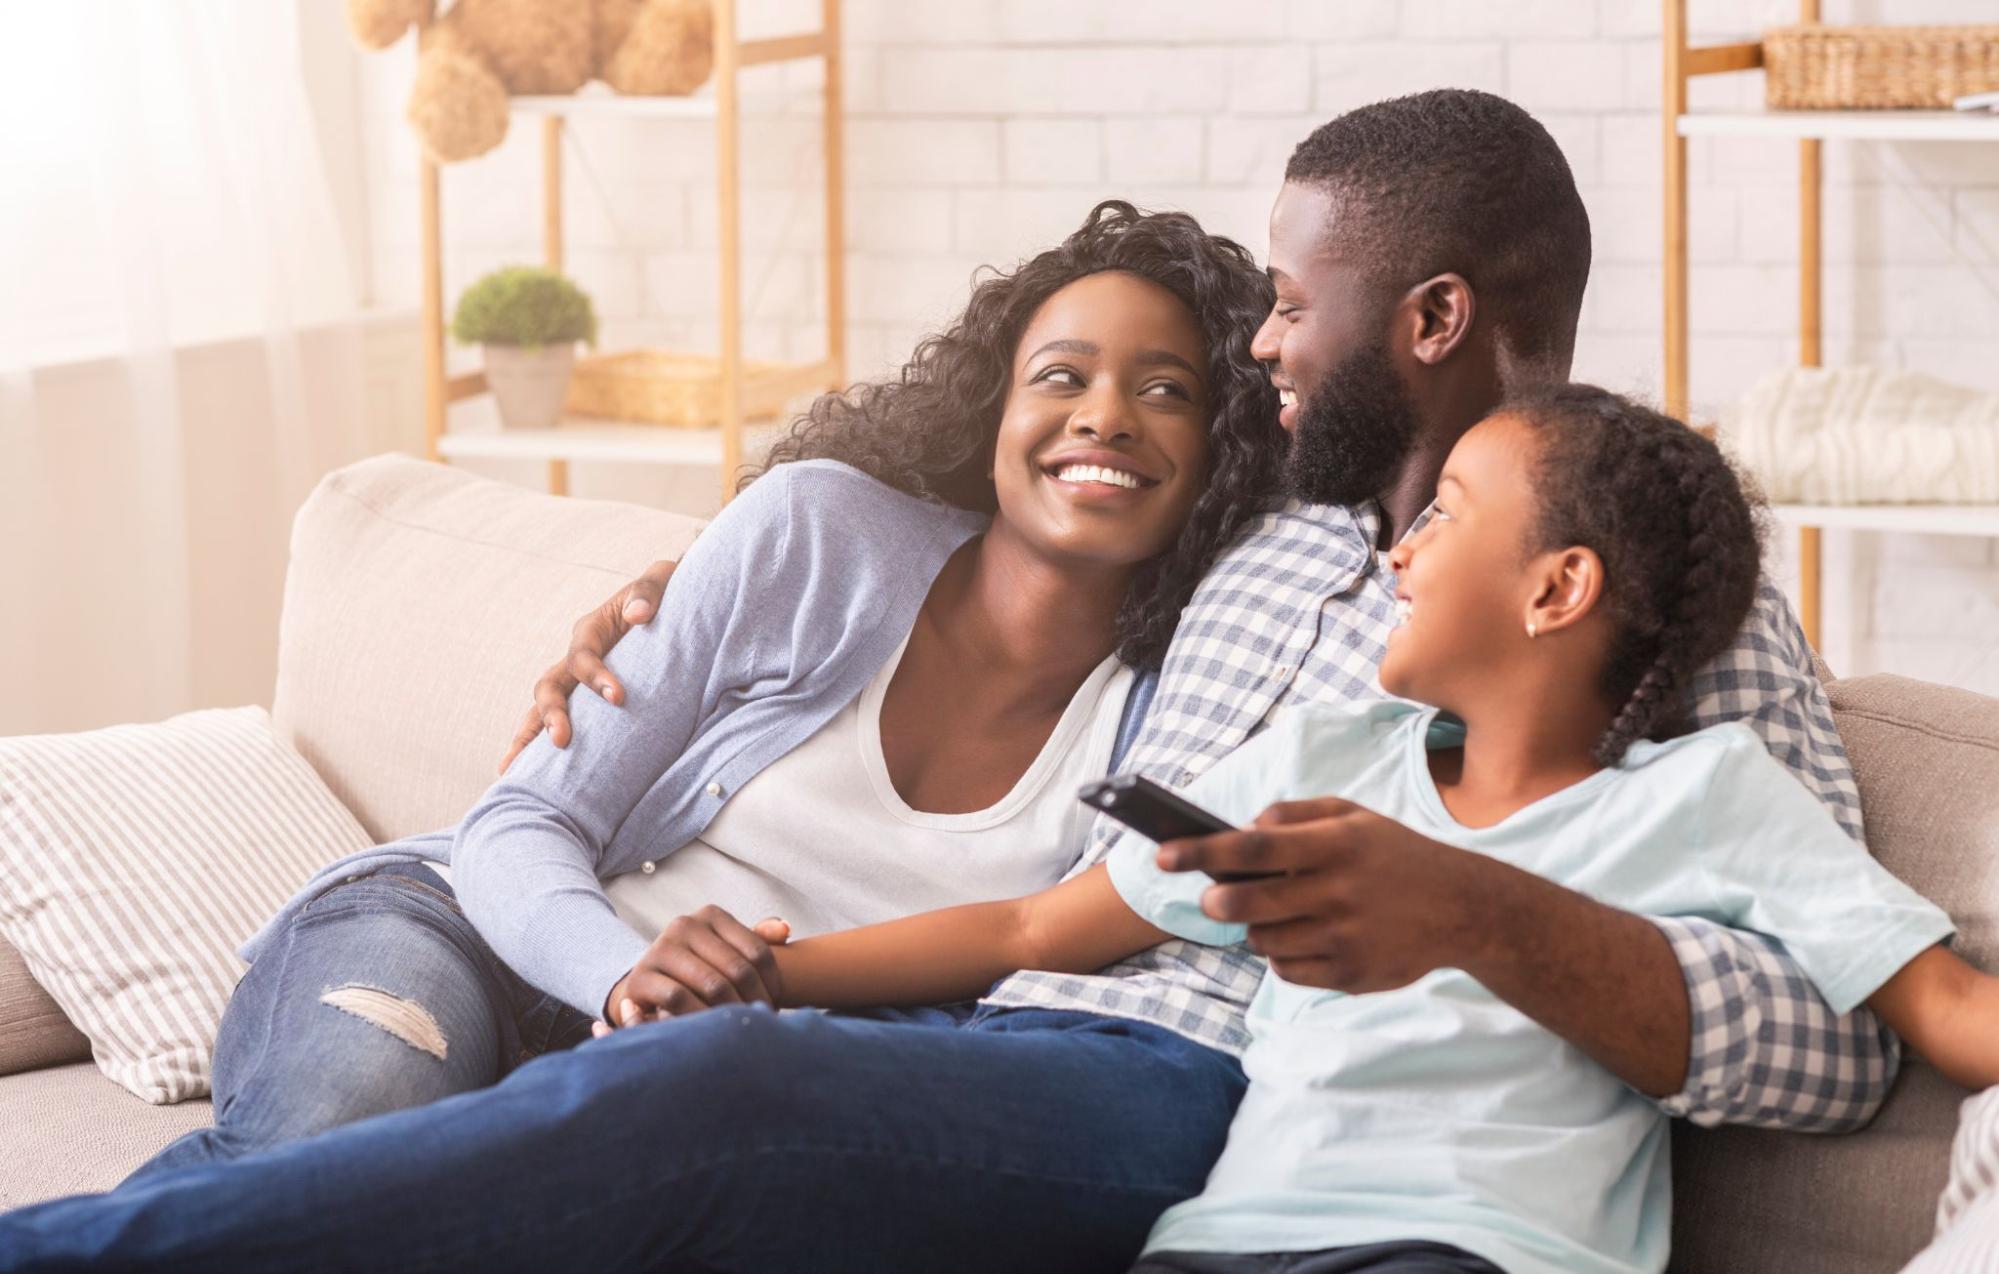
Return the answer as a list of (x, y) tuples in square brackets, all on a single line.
[(980, 130)]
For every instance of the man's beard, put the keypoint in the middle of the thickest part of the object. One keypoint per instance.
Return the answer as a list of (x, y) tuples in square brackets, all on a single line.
[(1354, 432)]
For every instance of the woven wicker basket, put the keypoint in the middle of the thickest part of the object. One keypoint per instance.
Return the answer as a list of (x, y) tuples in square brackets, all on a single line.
[(1842, 68), (662, 387)]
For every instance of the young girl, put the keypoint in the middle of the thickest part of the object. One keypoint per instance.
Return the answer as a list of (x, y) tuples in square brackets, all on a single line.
[(1584, 555)]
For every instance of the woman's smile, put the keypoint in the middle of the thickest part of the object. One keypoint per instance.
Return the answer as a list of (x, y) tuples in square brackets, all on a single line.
[(1097, 474)]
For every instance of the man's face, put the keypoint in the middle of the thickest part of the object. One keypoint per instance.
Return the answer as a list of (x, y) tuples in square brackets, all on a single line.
[(1349, 413)]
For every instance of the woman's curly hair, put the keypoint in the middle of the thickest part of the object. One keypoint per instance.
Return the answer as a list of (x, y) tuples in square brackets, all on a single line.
[(931, 431), (1679, 534)]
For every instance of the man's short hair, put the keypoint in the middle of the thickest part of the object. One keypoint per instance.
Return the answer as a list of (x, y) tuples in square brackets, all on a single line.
[(1460, 181)]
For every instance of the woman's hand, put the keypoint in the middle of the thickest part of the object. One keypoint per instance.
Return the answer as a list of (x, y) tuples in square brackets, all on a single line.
[(590, 642), (698, 962)]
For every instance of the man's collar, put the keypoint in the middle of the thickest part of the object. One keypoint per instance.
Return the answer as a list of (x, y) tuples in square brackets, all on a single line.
[(1364, 517)]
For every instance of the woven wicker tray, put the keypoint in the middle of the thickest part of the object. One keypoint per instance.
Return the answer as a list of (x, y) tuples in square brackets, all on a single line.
[(663, 387), (1842, 68)]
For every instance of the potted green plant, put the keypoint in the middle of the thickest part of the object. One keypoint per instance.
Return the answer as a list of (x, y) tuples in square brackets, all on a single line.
[(527, 321)]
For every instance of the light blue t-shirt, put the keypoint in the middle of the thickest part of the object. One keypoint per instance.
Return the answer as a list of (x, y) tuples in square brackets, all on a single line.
[(1440, 1112)]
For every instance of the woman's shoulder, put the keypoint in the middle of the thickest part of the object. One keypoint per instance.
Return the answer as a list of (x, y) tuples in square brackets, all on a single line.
[(809, 526), (797, 507), (832, 494)]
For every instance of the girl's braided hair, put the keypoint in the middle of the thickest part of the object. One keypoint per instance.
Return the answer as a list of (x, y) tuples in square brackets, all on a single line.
[(930, 431), (1678, 533)]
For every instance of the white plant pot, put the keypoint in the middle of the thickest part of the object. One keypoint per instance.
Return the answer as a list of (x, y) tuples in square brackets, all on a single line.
[(529, 385)]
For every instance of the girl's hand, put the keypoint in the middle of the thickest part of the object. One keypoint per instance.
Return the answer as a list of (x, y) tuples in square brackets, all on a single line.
[(698, 962)]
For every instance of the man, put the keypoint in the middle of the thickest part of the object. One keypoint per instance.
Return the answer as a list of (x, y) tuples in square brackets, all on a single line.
[(1429, 256)]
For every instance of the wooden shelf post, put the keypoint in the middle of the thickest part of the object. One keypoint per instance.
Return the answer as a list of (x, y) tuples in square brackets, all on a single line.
[(551, 245), (1811, 195), (832, 143), (1682, 63), (729, 194), (433, 309), (1674, 40)]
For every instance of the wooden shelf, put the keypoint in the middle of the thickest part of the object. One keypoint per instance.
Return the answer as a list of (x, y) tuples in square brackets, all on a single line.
[(597, 104), (749, 394), (582, 439), (1887, 126), (1914, 519), (1808, 131)]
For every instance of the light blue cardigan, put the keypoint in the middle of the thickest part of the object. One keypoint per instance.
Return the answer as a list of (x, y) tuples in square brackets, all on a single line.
[(778, 616)]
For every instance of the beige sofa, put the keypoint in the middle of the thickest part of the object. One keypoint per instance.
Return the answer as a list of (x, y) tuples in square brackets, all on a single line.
[(421, 603)]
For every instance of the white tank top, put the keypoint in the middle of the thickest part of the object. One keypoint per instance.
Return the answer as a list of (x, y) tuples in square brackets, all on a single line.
[(821, 839)]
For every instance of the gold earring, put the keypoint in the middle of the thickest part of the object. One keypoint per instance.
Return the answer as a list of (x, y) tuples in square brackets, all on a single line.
[(1530, 628)]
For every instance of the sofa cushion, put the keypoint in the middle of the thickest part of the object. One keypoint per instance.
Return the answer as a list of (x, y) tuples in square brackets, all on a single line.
[(72, 1131), (33, 1030), (133, 862), (1927, 758), (420, 605)]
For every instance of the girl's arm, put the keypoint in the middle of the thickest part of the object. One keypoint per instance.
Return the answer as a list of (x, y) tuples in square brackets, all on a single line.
[(1078, 926), (1947, 1011)]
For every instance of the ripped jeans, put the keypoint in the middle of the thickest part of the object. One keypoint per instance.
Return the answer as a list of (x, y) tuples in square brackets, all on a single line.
[(379, 997)]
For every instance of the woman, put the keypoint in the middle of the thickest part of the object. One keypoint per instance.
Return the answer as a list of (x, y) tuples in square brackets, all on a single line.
[(884, 669)]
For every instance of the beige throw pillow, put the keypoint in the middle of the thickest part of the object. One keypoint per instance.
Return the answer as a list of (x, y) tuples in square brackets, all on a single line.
[(133, 862)]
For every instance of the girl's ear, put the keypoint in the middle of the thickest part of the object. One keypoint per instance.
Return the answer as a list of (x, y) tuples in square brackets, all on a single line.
[(1568, 584), (1439, 312)]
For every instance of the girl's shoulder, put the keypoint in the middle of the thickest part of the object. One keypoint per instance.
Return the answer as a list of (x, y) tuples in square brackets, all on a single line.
[(1360, 721), (1730, 742), (1703, 764)]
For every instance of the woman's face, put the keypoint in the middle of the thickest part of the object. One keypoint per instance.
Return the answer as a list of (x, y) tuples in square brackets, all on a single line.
[(1464, 583), (1103, 445)]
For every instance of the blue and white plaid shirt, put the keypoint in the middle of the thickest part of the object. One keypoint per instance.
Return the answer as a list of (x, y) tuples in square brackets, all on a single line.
[(1299, 610)]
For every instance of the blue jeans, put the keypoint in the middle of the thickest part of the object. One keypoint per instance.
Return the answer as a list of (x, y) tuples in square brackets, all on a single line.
[(380, 996), (736, 1139)]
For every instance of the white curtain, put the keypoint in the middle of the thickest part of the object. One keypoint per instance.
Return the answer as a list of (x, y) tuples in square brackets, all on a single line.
[(176, 349)]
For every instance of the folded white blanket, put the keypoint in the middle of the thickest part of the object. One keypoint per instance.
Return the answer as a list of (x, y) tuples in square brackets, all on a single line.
[(1866, 435)]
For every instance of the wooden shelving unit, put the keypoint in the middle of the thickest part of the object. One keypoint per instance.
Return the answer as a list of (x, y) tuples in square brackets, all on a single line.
[(1810, 129), (722, 443)]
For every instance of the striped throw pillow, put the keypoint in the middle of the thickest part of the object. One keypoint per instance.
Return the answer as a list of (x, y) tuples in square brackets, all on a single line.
[(134, 860)]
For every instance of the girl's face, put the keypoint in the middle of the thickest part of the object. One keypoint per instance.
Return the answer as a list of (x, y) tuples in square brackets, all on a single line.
[(1103, 446), (1466, 583)]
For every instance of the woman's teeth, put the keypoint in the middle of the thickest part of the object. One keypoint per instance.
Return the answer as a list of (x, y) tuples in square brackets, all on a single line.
[(1097, 473), (1402, 608)]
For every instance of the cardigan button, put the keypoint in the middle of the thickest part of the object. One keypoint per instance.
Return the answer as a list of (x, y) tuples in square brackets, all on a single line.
[(647, 867), (715, 790)]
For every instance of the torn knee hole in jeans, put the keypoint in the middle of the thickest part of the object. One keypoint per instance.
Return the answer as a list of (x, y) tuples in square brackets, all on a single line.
[(407, 1021)]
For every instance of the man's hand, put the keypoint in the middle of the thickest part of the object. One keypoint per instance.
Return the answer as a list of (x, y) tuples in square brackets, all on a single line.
[(1361, 903), (1365, 904), (590, 641), (698, 962)]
